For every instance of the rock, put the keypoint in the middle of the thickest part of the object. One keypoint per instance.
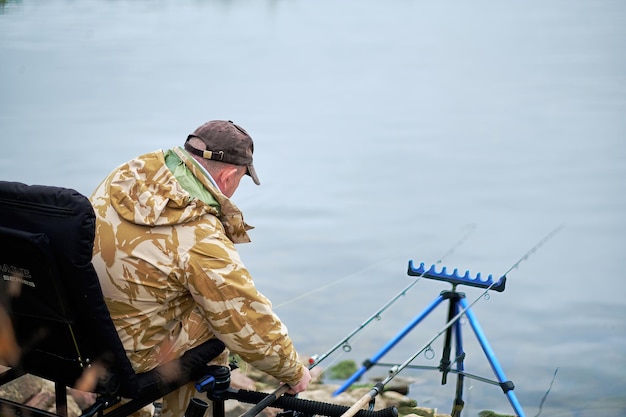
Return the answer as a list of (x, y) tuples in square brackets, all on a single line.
[(83, 399), (342, 370), (45, 400), (397, 384), (487, 413), (23, 388), (398, 400), (241, 381), (424, 412), (41, 392), (37, 392), (235, 408)]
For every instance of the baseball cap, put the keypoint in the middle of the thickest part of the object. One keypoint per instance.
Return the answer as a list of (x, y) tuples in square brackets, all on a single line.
[(225, 142)]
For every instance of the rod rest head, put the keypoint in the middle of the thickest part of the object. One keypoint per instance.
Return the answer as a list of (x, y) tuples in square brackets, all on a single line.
[(455, 279)]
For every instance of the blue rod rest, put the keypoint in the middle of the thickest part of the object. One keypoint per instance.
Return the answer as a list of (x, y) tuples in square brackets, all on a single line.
[(455, 279)]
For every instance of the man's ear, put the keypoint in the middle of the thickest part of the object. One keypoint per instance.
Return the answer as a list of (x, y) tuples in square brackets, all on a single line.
[(226, 180), (228, 173)]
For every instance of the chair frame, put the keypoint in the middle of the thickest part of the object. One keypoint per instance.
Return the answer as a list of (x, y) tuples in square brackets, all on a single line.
[(59, 318)]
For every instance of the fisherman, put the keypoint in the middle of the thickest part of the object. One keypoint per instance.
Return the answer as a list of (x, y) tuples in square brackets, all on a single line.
[(165, 255)]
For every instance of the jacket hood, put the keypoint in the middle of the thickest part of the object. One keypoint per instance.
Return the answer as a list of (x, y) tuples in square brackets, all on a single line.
[(145, 192)]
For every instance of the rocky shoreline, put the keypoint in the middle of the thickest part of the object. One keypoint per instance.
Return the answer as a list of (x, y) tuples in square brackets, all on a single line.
[(393, 396), (39, 393)]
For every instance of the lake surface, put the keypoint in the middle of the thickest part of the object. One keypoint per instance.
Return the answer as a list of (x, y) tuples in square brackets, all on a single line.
[(384, 132)]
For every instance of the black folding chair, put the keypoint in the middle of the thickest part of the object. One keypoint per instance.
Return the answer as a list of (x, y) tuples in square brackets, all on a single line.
[(62, 325)]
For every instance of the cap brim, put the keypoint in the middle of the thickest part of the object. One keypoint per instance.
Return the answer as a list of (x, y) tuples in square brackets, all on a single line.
[(252, 173)]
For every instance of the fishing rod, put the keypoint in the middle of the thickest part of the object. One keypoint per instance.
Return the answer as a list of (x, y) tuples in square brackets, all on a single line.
[(265, 402), (315, 360), (378, 387), (344, 343)]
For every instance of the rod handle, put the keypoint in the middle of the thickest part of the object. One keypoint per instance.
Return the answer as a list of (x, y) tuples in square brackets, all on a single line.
[(266, 401), (357, 406)]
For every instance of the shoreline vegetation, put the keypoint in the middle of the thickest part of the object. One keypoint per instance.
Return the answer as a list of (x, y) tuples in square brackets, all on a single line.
[(39, 393)]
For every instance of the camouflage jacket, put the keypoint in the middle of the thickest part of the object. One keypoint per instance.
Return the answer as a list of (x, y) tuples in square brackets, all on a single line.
[(171, 275)]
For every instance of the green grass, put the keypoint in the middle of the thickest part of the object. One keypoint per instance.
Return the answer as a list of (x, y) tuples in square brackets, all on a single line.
[(342, 370)]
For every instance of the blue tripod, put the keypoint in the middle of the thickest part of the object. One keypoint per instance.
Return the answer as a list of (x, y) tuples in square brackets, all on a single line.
[(457, 303)]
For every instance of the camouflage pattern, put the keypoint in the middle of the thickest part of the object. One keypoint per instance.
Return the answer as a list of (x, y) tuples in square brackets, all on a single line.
[(171, 275)]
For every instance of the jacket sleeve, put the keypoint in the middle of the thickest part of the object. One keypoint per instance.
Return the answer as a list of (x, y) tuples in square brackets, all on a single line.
[(237, 312)]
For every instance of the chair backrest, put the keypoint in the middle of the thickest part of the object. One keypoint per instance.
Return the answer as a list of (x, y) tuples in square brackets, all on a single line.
[(53, 294)]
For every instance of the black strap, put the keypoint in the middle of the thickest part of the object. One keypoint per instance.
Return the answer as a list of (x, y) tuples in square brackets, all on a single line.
[(206, 154)]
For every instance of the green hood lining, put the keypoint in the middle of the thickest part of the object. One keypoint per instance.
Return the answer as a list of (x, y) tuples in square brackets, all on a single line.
[(188, 181)]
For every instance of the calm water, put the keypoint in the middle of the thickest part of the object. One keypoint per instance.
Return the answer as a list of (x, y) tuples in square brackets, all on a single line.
[(384, 132)]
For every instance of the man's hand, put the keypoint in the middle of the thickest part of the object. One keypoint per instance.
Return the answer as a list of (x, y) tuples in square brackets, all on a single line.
[(302, 384)]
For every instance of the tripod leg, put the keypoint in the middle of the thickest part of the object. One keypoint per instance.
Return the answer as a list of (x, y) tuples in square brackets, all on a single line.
[(460, 357), (444, 364), (219, 409), (367, 364), (507, 386)]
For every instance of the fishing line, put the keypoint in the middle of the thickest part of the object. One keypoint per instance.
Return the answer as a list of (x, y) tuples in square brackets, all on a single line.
[(335, 282), (471, 226), (545, 396), (317, 359), (378, 388), (534, 248), (344, 343)]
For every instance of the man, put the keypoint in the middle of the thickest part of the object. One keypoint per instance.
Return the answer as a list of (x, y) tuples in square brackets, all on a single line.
[(171, 276)]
